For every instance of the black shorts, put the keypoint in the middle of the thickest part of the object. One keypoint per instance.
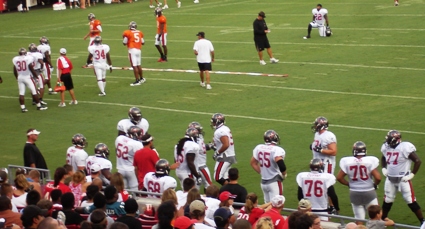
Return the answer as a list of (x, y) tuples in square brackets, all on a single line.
[(262, 43), (67, 81), (204, 66)]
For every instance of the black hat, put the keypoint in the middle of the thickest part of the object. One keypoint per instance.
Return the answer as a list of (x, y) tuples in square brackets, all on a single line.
[(202, 34), (262, 14), (30, 212)]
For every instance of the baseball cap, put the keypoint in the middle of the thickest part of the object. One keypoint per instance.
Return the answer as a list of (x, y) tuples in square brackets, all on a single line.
[(304, 204), (95, 168), (222, 214), (182, 222), (202, 34), (147, 138), (197, 205), (3, 176), (262, 14), (62, 51), (33, 131), (278, 201), (226, 195), (30, 212)]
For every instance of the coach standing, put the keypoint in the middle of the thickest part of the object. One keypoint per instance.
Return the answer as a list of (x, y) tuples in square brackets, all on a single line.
[(204, 52), (32, 155), (64, 66), (260, 38)]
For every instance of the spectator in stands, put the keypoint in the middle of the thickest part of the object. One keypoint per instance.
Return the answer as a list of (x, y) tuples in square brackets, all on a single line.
[(86, 225), (32, 155), (293, 218), (304, 205), (167, 212), (69, 172), (192, 195), (233, 187), (113, 207), (7, 190), (55, 196), (32, 216), (78, 186), (35, 185), (197, 213), (99, 203), (100, 220), (145, 159), (90, 192), (46, 204), (3, 177), (33, 197), (375, 221), (7, 213), (20, 193), (304, 222), (211, 201), (50, 223), (316, 221), (71, 216), (99, 183), (117, 180), (264, 223), (188, 184), (148, 217), (274, 213), (34, 175), (226, 200), (57, 183), (183, 222), (119, 225), (222, 218), (350, 225), (251, 211), (131, 207), (169, 194), (241, 224)]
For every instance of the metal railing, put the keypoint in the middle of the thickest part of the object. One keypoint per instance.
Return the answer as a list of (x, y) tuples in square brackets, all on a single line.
[(44, 173)]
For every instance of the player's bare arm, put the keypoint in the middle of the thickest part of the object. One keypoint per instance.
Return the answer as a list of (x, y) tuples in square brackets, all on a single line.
[(225, 141), (282, 167), (89, 58), (107, 174), (47, 55), (416, 162), (331, 150), (190, 158), (341, 178), (376, 177), (40, 61), (196, 52), (15, 72), (175, 166), (326, 18), (108, 58), (212, 56), (31, 68), (254, 165)]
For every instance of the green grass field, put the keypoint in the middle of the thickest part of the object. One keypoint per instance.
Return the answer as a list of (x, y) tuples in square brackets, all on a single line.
[(366, 79)]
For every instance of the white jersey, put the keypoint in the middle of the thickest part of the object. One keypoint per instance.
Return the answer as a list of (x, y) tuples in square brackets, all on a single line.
[(319, 15), (155, 184), (220, 132), (36, 56), (265, 154), (99, 53), (103, 162), (201, 157), (359, 172), (323, 140), (398, 162), (43, 48), (22, 63), (188, 147), (125, 149), (125, 124), (315, 188), (76, 157)]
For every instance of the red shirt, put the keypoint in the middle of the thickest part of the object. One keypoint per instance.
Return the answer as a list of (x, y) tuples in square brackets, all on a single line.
[(49, 188), (145, 160), (64, 64), (278, 220), (252, 217)]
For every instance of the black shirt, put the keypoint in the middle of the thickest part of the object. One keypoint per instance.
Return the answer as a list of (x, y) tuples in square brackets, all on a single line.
[(236, 189), (72, 217), (130, 221), (32, 155), (259, 27)]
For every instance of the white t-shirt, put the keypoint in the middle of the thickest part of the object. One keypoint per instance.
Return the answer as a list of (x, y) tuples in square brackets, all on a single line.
[(20, 201), (188, 148), (43, 48), (125, 124), (315, 188), (202, 226), (201, 157), (99, 53), (398, 162), (125, 150), (212, 205), (76, 157), (319, 15), (220, 132), (324, 140), (181, 198), (204, 48), (155, 184), (265, 154), (359, 172), (22, 65), (37, 56)]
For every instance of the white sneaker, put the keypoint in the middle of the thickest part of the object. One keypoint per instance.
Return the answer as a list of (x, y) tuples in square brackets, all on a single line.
[(151, 6), (274, 61), (396, 3), (70, 7), (209, 87), (196, 1), (179, 4), (202, 84), (76, 7), (102, 94), (159, 4), (165, 7), (262, 62), (62, 104), (136, 83), (73, 102)]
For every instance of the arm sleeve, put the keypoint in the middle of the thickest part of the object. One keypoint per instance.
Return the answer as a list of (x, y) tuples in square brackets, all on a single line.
[(258, 29), (300, 193), (282, 166), (28, 156), (334, 197)]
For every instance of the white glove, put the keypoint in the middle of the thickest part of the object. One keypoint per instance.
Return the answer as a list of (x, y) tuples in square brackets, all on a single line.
[(408, 177), (384, 171)]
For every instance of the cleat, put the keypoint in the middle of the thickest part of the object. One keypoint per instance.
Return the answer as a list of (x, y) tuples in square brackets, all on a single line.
[(142, 80), (202, 84), (42, 108), (161, 60), (306, 37), (209, 87), (52, 92), (151, 6), (262, 62), (179, 4), (165, 7), (42, 102), (274, 61), (62, 105), (73, 102), (196, 1), (136, 83), (24, 110), (159, 4), (102, 94), (396, 3)]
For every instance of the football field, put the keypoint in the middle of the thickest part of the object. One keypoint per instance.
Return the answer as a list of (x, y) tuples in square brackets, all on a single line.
[(367, 78)]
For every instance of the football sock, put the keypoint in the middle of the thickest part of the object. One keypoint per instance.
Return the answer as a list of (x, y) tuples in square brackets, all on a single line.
[(100, 84), (22, 106), (104, 86)]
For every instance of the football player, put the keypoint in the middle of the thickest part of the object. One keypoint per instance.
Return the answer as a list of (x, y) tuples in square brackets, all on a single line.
[(185, 153), (397, 158), (360, 170), (324, 145), (95, 30), (99, 53), (134, 119), (179, 4), (317, 186), (44, 48), (268, 160), (161, 34), (133, 39), (101, 155), (23, 69), (160, 180), (201, 157), (125, 148), (76, 155), (38, 65), (224, 154), (320, 16)]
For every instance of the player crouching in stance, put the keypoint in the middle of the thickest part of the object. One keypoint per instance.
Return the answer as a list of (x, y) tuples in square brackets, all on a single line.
[(133, 39), (320, 15), (360, 170), (268, 160), (397, 158), (101, 62), (317, 186), (160, 180)]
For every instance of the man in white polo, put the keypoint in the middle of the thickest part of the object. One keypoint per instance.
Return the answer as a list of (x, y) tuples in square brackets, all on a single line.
[(204, 52)]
